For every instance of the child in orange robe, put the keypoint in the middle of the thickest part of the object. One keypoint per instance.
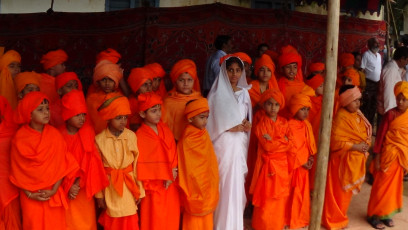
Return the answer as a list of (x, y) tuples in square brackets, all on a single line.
[(10, 66), (270, 183), (350, 141), (157, 168), (26, 82), (66, 82), (118, 148), (391, 162), (39, 161), (91, 177), (158, 80), (300, 161), (186, 88), (197, 169)]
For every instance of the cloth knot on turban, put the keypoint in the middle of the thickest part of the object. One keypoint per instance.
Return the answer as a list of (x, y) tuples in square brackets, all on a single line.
[(401, 87), (349, 96), (73, 103), (107, 69), (113, 107), (157, 69), (316, 67), (299, 101), (346, 59), (27, 105), (264, 60), (196, 107), (275, 94), (148, 100), (25, 78), (108, 55), (316, 81), (65, 77), (138, 76), (353, 75), (53, 58), (9, 57)]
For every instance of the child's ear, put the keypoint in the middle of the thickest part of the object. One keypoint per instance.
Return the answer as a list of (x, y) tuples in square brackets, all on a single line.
[(142, 114)]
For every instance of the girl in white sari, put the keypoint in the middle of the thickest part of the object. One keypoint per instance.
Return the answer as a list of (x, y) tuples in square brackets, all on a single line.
[(229, 125)]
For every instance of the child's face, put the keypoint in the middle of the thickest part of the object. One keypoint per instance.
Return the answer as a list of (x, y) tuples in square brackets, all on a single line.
[(146, 87), (354, 106), (27, 89), (319, 90), (402, 102), (156, 83), (14, 68), (290, 71), (357, 61), (58, 69), (302, 114), (264, 74), (234, 73), (152, 115), (70, 85), (200, 120), (41, 115), (185, 83), (118, 123), (107, 84), (271, 107), (248, 71), (77, 121), (347, 81)]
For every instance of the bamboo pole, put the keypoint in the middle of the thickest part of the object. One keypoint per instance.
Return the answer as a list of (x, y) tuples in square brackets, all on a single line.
[(332, 40)]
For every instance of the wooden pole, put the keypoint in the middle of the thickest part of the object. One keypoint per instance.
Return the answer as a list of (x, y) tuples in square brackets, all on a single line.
[(332, 41)]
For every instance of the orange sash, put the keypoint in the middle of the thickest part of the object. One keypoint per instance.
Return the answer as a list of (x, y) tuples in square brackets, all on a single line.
[(120, 176)]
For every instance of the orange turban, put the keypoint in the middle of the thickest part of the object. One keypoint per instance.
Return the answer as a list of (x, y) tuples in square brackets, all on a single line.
[(317, 66), (148, 100), (27, 105), (353, 75), (401, 87), (9, 57), (53, 58), (288, 49), (109, 55), (157, 69), (65, 77), (346, 59), (349, 96), (107, 69), (275, 94), (272, 54), (113, 107), (185, 66), (196, 107), (264, 60), (25, 78), (298, 101), (243, 56), (288, 58), (138, 76), (73, 103), (6, 80), (316, 81)]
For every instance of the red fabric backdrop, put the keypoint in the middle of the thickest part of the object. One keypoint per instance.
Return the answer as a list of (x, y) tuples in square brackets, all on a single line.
[(165, 35)]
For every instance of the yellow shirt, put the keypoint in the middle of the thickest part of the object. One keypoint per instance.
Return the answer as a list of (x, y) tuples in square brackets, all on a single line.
[(119, 153)]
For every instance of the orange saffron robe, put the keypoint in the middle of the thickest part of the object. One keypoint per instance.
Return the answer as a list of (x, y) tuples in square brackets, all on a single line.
[(386, 193), (314, 117), (81, 210), (304, 145), (10, 214), (270, 182), (174, 117), (198, 178), (38, 161), (160, 209), (346, 170), (289, 88), (47, 86)]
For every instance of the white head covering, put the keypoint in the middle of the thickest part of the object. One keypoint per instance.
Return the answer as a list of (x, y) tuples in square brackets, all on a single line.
[(224, 111)]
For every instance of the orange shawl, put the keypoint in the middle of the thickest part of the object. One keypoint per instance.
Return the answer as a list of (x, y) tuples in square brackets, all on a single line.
[(198, 172), (6, 80), (315, 114), (47, 86), (304, 144), (349, 129)]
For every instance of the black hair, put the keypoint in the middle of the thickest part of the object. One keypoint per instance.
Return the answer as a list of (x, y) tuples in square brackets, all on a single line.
[(262, 45), (356, 53), (231, 60), (371, 41), (310, 76), (401, 52), (221, 40), (344, 88), (404, 39), (188, 102)]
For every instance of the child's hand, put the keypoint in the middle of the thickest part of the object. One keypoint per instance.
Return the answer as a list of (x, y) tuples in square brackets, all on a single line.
[(361, 147), (247, 125), (47, 193), (167, 183), (101, 203), (37, 196), (73, 191), (309, 163), (238, 128), (174, 171), (267, 137)]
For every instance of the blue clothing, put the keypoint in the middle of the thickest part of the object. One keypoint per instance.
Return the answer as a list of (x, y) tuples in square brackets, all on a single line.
[(212, 69)]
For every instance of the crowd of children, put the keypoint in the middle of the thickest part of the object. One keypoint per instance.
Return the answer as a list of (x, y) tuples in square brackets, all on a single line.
[(131, 155)]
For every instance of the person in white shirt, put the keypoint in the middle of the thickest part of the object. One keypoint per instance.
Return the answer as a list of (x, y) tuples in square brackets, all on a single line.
[(371, 64)]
